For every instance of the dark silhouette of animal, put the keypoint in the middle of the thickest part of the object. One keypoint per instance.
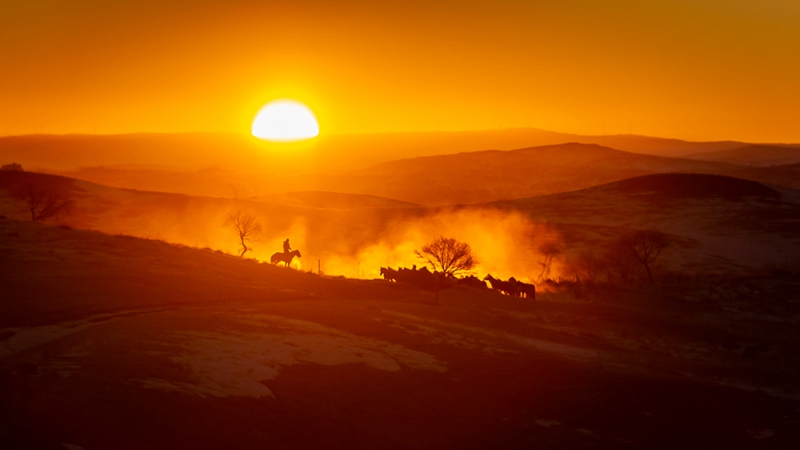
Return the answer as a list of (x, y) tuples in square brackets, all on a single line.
[(388, 273), (284, 257), (528, 290), (498, 285), (512, 287), (471, 281), (421, 278)]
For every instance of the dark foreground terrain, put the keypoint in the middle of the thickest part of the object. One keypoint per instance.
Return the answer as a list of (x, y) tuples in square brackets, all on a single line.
[(118, 342)]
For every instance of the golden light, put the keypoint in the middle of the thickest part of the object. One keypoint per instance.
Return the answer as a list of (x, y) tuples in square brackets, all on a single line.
[(285, 121)]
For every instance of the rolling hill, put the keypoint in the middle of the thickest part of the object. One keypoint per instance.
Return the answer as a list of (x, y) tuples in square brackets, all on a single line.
[(333, 228), (168, 347), (472, 177), (191, 151), (461, 170), (720, 224), (753, 155), (487, 176)]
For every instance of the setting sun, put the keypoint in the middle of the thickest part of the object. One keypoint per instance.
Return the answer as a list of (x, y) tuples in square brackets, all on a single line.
[(285, 121)]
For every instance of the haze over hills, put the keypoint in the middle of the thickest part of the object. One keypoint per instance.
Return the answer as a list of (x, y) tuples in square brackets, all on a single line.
[(487, 176), (753, 155), (191, 151), (355, 235), (469, 177), (240, 166)]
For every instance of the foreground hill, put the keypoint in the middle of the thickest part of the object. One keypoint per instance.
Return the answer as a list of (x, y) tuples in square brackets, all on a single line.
[(117, 342)]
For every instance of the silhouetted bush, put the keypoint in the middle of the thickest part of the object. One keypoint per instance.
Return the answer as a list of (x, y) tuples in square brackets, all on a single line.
[(448, 256)]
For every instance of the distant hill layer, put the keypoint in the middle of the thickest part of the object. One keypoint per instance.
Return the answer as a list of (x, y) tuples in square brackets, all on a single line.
[(486, 176), (461, 178), (753, 155), (690, 185), (336, 200), (191, 151)]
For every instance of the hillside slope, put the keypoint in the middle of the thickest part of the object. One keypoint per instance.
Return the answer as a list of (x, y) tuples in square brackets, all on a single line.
[(719, 223), (327, 227), (117, 342)]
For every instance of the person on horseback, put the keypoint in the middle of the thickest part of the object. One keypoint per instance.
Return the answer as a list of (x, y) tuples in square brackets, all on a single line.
[(286, 248)]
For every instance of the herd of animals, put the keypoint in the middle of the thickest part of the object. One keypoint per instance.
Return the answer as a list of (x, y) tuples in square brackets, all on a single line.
[(425, 279)]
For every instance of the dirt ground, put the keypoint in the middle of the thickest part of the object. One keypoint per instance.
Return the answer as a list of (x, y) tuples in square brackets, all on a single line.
[(118, 342)]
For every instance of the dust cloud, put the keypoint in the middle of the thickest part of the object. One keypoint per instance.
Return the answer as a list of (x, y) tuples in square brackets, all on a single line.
[(354, 243), (505, 244)]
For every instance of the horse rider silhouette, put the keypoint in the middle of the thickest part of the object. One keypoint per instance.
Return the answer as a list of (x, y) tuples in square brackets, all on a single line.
[(286, 248)]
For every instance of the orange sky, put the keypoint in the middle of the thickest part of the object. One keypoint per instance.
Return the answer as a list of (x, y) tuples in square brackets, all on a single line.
[(693, 69)]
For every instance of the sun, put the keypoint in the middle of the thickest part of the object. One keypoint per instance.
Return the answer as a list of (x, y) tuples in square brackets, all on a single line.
[(285, 121)]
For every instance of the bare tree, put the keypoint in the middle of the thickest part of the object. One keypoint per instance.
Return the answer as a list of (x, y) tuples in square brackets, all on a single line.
[(238, 190), (619, 262), (448, 256), (41, 202), (14, 167), (646, 246), (587, 266), (246, 227), (549, 250)]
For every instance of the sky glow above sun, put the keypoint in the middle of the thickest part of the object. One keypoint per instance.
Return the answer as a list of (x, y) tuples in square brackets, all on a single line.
[(689, 69), (285, 121)]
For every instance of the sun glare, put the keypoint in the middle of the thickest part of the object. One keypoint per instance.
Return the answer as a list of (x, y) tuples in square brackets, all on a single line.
[(285, 121)]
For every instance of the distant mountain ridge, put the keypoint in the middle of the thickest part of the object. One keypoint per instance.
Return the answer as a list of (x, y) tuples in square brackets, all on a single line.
[(191, 151), (753, 155), (486, 176)]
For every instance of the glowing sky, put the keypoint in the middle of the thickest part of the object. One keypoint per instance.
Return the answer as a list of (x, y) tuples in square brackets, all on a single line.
[(694, 69)]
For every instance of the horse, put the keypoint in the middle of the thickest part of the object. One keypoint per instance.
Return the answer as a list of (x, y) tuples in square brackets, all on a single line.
[(528, 290), (471, 281), (284, 257), (512, 287), (498, 285), (389, 274)]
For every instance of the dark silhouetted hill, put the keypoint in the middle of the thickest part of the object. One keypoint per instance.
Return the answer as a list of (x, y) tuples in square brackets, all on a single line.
[(753, 155), (191, 151), (486, 176), (692, 185)]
